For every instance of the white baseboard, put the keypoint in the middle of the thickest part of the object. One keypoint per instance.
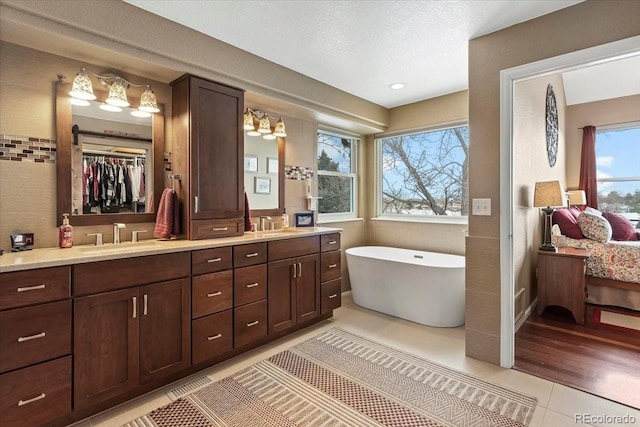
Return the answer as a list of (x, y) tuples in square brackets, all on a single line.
[(525, 315)]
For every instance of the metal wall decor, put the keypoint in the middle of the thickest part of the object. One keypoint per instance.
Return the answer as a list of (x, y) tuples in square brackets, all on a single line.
[(551, 115)]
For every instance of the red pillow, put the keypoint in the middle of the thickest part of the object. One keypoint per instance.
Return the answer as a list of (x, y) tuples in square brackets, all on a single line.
[(567, 223), (621, 226), (575, 212)]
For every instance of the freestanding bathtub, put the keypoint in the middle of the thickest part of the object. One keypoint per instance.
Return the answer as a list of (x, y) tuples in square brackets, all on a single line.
[(424, 287)]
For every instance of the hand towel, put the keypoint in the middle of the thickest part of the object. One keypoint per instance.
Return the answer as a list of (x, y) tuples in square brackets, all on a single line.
[(247, 213), (167, 220)]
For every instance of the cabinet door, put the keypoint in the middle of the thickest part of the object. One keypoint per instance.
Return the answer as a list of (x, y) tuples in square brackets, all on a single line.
[(217, 150), (282, 295), (307, 288), (105, 357), (165, 329)]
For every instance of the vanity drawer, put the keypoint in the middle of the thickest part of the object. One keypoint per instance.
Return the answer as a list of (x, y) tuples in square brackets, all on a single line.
[(330, 267), (329, 242), (213, 228), (250, 323), (211, 293), (330, 295), (103, 276), (249, 284), (211, 260), (34, 334), (22, 288), (212, 336), (290, 248), (251, 254), (36, 395)]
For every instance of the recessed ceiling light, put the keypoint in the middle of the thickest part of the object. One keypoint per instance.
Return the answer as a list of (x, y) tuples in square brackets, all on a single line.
[(397, 85)]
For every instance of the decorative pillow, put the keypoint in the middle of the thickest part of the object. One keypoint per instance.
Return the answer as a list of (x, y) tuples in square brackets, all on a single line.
[(593, 211), (567, 223), (575, 212), (621, 226), (595, 227)]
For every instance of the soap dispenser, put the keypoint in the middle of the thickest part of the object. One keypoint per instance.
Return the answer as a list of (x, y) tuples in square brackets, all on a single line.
[(66, 233), (285, 220)]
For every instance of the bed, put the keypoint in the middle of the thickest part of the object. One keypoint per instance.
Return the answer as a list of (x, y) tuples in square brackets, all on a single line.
[(613, 269), (613, 272)]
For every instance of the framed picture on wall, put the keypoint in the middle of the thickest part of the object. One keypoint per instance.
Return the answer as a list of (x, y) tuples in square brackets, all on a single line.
[(272, 165), (250, 163), (262, 185), (304, 219)]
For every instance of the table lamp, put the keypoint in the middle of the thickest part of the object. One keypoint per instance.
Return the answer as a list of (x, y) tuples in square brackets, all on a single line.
[(548, 195)]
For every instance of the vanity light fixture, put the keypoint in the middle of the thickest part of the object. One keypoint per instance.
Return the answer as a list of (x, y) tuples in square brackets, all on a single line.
[(264, 125), (82, 92)]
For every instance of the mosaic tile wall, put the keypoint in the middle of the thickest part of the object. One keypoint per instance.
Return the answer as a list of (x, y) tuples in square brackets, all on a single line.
[(27, 149), (298, 172)]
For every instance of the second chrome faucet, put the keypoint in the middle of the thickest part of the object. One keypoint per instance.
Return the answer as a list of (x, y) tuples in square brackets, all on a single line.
[(116, 232)]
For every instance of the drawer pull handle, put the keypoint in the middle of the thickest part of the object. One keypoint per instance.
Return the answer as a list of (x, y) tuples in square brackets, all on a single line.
[(214, 294), (250, 324), (26, 402), (32, 337), (295, 270), (299, 269), (135, 307), (214, 260), (219, 228), (332, 242), (333, 265), (215, 337), (144, 310), (31, 288), (333, 296), (252, 285), (251, 255)]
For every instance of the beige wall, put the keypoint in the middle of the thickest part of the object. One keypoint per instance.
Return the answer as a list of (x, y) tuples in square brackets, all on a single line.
[(544, 37), (531, 164), (601, 113)]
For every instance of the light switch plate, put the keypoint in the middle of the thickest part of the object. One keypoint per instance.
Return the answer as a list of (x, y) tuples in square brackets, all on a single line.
[(481, 207)]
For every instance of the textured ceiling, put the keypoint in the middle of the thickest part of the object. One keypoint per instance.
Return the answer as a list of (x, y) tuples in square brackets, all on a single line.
[(360, 47)]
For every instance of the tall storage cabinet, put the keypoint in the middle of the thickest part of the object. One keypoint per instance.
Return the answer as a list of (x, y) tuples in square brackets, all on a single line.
[(208, 151)]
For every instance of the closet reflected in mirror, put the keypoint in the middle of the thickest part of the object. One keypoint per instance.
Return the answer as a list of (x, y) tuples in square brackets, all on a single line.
[(111, 162)]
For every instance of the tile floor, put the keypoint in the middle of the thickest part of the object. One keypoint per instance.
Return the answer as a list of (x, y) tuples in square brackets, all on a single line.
[(557, 404)]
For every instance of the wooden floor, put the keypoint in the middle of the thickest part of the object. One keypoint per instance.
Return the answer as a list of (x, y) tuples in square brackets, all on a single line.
[(597, 358)]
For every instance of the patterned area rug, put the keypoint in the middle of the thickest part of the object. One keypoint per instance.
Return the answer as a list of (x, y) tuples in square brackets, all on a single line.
[(341, 379)]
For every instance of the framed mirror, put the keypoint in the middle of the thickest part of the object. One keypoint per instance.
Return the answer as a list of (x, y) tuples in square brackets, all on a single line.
[(264, 175), (107, 170)]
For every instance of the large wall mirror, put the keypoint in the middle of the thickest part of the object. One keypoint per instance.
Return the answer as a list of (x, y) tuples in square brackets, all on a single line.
[(264, 175), (109, 165)]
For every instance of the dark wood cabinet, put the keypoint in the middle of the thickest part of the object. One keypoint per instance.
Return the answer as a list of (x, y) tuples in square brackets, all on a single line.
[(293, 291), (208, 151), (561, 280), (128, 337)]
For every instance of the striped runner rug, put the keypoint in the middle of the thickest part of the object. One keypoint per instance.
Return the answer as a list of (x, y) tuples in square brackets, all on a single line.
[(341, 379)]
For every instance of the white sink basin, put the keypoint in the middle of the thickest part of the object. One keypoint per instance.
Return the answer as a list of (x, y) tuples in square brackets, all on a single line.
[(273, 233), (122, 247)]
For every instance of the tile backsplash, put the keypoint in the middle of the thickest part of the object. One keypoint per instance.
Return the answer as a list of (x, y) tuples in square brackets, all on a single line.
[(27, 149)]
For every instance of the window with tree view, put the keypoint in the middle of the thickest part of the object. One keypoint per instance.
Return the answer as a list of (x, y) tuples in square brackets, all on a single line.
[(618, 171), (425, 174), (336, 174)]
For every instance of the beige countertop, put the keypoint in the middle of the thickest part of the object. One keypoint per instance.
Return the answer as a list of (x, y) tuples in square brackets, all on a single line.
[(53, 257)]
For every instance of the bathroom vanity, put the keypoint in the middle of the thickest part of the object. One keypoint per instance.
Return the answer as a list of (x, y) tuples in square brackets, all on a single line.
[(86, 328)]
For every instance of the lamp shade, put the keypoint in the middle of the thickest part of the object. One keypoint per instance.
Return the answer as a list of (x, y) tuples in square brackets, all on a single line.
[(547, 194), (148, 101), (82, 87), (577, 197), (117, 94)]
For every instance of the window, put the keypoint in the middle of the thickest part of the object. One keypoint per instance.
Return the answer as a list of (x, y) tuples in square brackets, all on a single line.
[(618, 171), (336, 174), (425, 174)]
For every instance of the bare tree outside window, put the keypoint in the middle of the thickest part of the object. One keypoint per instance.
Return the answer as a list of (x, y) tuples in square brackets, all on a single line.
[(426, 173), (336, 174)]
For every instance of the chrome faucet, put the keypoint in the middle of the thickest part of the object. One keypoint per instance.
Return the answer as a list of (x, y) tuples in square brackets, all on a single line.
[(263, 221), (116, 232)]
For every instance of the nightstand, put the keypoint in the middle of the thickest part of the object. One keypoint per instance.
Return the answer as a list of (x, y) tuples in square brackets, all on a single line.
[(561, 280)]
